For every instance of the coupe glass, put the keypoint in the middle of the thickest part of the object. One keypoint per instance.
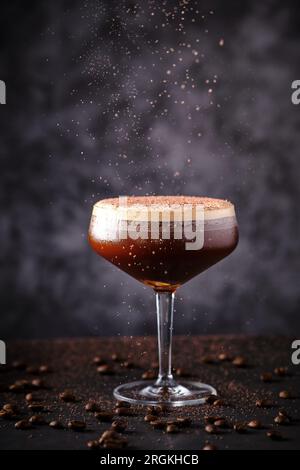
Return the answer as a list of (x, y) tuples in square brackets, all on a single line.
[(164, 242)]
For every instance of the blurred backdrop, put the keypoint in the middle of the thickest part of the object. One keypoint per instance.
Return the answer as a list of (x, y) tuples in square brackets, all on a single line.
[(108, 98)]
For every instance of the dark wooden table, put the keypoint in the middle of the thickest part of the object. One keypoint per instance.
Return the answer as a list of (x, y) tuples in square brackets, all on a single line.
[(72, 367)]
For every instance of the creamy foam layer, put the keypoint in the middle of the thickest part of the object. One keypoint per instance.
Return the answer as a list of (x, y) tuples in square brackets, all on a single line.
[(138, 208)]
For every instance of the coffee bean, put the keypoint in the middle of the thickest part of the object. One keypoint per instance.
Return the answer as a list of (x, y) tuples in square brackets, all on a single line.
[(274, 435), (239, 361), (221, 423), (19, 365), (36, 407), (92, 406), (115, 444), (263, 403), (115, 357), (109, 434), (104, 416), (10, 408), (56, 425), (209, 446), (240, 428), (211, 419), (7, 414), (211, 399), (29, 397), (254, 424), (38, 383), (149, 375), (67, 396), (281, 419), (284, 414), (223, 357), (122, 404), (219, 402), (127, 365), (93, 445), (19, 386), (105, 370), (122, 411), (149, 418), (97, 360), (211, 429), (77, 425), (281, 371), (181, 372), (266, 377), (285, 394), (119, 425), (37, 419), (23, 425), (171, 429), (44, 369)]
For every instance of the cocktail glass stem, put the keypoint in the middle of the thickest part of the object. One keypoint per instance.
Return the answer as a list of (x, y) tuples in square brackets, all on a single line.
[(165, 315)]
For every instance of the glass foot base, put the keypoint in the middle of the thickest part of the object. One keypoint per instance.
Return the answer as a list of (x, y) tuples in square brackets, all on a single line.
[(184, 394)]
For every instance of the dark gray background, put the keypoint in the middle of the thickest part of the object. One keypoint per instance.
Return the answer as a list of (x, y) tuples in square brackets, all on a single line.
[(92, 111)]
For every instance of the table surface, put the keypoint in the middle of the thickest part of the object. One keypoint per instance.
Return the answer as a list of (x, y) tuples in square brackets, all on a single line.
[(72, 367)]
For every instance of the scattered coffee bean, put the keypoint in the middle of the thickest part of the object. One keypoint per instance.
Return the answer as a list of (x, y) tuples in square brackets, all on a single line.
[(274, 435), (122, 411), (10, 408), (115, 357), (119, 425), (211, 429), (98, 361), (171, 429), (115, 443), (37, 419), (266, 377), (20, 386), (209, 446), (93, 445), (219, 402), (29, 397), (77, 425), (56, 425), (36, 407), (149, 418), (38, 383), (23, 425), (127, 365), (67, 396), (281, 419), (285, 394), (181, 372), (281, 371), (149, 375), (7, 414), (211, 419), (284, 414), (211, 399), (239, 361), (92, 406), (32, 370), (104, 416), (263, 403), (240, 428), (221, 423), (254, 424), (44, 369), (105, 370), (109, 434), (223, 357)]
